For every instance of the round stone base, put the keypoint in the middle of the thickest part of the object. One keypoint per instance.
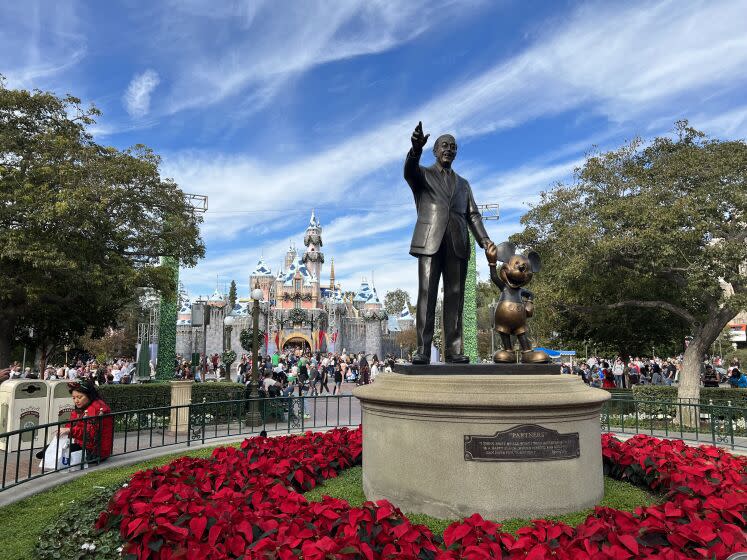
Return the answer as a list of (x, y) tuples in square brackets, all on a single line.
[(503, 446)]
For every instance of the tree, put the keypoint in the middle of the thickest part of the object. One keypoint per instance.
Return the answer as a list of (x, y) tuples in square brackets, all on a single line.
[(81, 225), (395, 301), (232, 295), (117, 342), (407, 340), (645, 240)]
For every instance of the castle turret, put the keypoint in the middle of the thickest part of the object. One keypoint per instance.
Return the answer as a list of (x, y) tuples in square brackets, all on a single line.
[(290, 256), (332, 276), (313, 258), (263, 277)]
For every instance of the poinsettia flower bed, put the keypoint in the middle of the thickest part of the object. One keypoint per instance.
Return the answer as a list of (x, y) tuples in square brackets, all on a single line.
[(247, 503)]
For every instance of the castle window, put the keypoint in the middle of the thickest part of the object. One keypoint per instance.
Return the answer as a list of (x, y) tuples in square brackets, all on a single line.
[(298, 284)]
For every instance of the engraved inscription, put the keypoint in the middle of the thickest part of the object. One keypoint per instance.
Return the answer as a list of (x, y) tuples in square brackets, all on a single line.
[(526, 442)]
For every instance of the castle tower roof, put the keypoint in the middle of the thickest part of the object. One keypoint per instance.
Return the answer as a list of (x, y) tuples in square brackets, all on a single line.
[(262, 268), (314, 221), (405, 314)]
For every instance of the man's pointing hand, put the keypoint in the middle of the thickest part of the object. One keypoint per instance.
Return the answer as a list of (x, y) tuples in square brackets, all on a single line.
[(418, 138)]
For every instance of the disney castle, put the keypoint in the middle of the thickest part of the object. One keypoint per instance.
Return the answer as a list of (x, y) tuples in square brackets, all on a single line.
[(297, 310)]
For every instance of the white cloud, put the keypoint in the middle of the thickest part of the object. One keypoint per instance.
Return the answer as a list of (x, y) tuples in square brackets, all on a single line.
[(517, 187), (272, 42), (617, 62), (620, 63), (137, 97), (731, 124), (630, 64), (40, 40)]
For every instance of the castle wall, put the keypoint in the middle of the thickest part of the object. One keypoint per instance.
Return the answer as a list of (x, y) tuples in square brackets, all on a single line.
[(184, 341), (352, 335), (214, 332), (359, 335), (373, 337)]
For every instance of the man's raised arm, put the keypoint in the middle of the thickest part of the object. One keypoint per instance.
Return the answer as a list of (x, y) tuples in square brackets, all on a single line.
[(413, 174)]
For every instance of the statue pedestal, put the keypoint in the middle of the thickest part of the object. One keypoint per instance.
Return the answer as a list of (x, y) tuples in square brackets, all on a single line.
[(505, 444)]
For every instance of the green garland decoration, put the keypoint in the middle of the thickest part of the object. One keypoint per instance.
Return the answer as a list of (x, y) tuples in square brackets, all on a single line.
[(298, 315), (228, 357), (167, 326), (246, 338), (469, 312)]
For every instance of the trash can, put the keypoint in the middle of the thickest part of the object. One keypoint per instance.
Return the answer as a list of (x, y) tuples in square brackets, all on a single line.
[(23, 404), (60, 402)]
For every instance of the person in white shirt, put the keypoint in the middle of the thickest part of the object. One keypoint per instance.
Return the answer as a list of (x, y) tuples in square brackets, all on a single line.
[(117, 373), (72, 373), (617, 370), (268, 382)]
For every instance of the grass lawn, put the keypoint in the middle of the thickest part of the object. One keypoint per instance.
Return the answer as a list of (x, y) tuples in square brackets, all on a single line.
[(24, 521), (619, 495)]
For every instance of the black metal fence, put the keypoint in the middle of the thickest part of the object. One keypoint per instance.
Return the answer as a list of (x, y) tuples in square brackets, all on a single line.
[(716, 424), (134, 431), (150, 428)]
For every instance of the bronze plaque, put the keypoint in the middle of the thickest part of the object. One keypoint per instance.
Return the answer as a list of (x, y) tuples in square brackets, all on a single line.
[(526, 442)]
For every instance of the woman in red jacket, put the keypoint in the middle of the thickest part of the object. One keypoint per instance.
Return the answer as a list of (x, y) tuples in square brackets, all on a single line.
[(90, 424)]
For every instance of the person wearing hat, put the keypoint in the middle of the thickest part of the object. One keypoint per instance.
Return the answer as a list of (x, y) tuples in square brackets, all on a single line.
[(710, 377), (91, 422), (737, 379)]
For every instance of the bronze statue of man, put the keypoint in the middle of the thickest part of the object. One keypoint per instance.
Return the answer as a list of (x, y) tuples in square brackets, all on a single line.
[(446, 208)]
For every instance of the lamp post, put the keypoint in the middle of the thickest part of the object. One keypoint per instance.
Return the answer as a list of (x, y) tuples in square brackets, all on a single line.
[(280, 320), (257, 297), (67, 349), (254, 418), (228, 323)]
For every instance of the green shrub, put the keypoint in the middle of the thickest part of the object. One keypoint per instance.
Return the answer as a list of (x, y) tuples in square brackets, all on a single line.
[(151, 395), (154, 395), (136, 396), (717, 395), (213, 392)]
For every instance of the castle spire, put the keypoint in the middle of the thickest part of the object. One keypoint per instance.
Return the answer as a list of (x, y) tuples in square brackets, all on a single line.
[(332, 275)]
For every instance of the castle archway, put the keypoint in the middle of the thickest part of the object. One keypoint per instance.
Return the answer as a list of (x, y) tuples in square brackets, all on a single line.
[(296, 340)]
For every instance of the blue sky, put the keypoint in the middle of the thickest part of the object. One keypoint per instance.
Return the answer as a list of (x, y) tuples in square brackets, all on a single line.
[(272, 108)]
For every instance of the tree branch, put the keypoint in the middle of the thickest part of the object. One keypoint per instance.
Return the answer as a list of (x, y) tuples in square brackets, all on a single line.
[(676, 275), (636, 303)]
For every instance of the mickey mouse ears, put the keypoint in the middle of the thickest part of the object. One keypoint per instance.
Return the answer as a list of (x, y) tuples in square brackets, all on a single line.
[(505, 251)]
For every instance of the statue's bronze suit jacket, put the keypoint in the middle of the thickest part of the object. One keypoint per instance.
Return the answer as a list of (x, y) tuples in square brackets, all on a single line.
[(445, 206)]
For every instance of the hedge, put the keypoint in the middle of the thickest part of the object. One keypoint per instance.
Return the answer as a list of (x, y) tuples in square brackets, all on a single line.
[(717, 395), (153, 395), (136, 396)]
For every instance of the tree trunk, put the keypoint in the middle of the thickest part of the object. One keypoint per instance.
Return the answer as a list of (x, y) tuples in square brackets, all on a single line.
[(689, 383), (6, 345), (43, 357)]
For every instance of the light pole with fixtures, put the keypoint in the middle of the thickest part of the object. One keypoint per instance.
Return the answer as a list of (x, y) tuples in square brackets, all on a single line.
[(255, 419), (228, 323)]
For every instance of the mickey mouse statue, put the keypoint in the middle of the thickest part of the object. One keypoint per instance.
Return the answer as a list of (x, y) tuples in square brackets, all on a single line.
[(515, 304)]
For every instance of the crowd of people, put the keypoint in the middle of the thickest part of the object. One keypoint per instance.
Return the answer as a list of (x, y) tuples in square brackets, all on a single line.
[(312, 373), (116, 371), (315, 372), (622, 373)]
